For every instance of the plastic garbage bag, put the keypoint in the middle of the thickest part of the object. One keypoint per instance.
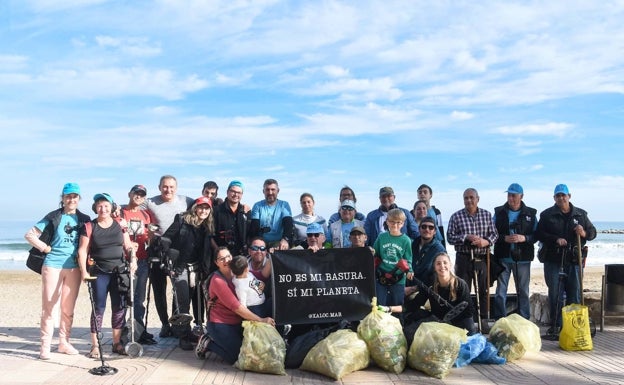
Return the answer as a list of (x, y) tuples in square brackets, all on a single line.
[(514, 335), (263, 349), (470, 349), (340, 353), (489, 355), (435, 348), (384, 337)]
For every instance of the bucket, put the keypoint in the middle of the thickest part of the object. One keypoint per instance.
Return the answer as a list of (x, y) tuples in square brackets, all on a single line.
[(614, 300)]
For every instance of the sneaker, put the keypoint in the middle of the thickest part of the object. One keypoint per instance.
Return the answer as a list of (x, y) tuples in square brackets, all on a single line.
[(146, 340), (198, 330), (165, 331), (147, 335), (485, 326), (202, 346), (185, 344), (44, 352)]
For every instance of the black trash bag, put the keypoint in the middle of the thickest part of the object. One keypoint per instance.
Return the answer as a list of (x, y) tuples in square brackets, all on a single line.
[(122, 275), (299, 346)]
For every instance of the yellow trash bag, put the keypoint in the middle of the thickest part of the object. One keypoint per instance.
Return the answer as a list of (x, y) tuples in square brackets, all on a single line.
[(263, 349), (514, 335), (340, 353), (384, 337), (575, 333), (435, 348)]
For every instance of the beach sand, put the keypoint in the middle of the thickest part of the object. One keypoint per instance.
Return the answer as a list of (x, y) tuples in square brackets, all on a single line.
[(20, 292)]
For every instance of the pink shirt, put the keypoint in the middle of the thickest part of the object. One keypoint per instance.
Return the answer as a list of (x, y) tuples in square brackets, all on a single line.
[(226, 301)]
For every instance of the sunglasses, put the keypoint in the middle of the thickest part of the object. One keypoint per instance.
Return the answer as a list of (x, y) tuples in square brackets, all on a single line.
[(316, 235), (427, 227), (348, 208), (257, 248), (224, 258)]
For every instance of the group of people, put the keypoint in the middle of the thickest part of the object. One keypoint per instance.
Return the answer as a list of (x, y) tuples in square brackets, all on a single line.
[(216, 254)]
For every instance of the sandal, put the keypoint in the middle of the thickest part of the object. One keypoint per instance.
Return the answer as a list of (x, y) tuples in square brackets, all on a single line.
[(119, 349), (95, 353)]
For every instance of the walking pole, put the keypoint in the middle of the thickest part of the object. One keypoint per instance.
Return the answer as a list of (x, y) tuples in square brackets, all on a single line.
[(487, 303), (133, 349), (476, 287), (104, 369), (580, 264)]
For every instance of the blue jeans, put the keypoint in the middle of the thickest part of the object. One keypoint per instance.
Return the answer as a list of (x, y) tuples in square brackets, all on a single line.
[(140, 288), (522, 276), (226, 340), (571, 287), (390, 295)]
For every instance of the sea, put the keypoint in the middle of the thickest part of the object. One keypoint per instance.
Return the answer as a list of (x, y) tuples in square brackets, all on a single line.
[(606, 249)]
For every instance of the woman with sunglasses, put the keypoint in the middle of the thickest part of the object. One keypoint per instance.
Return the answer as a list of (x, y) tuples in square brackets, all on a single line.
[(225, 314)]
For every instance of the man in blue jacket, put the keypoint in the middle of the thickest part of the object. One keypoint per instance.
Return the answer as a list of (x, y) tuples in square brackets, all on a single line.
[(375, 220)]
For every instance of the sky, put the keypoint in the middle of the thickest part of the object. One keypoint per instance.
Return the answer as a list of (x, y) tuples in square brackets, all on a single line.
[(316, 94)]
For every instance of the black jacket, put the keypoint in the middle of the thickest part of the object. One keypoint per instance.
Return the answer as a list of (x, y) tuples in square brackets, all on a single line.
[(525, 225), (553, 224)]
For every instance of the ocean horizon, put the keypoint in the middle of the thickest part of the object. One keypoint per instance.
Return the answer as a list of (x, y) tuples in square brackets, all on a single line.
[(606, 249)]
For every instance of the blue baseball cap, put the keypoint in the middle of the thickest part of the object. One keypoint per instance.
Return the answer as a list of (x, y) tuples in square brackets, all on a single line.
[(515, 188), (236, 183), (314, 228), (71, 188), (100, 196), (561, 189)]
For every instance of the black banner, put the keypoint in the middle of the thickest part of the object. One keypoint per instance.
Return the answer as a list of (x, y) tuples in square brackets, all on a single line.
[(326, 286)]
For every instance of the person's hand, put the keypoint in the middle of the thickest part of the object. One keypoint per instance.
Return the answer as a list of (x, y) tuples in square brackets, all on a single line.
[(515, 238), (384, 309), (269, 321), (314, 248), (134, 265), (561, 242), (579, 230), (86, 277), (47, 250), (409, 275), (283, 244)]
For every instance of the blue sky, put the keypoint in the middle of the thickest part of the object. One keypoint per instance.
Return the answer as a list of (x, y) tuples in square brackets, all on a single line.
[(316, 94)]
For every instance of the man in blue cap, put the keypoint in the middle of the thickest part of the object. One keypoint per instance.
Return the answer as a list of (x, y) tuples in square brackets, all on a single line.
[(513, 251), (562, 229), (230, 219)]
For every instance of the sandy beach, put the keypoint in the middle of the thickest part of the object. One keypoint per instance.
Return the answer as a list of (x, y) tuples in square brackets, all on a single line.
[(20, 292)]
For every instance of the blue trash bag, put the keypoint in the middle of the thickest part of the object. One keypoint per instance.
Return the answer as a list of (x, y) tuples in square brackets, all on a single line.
[(489, 355), (470, 349)]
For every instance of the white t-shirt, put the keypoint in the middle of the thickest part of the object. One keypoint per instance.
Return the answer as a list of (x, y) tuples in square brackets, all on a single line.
[(248, 290)]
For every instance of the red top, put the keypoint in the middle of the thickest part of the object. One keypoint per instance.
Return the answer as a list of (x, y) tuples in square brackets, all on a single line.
[(226, 301)]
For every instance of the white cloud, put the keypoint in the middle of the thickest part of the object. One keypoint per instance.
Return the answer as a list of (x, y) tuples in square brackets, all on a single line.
[(461, 115), (545, 129), (133, 46)]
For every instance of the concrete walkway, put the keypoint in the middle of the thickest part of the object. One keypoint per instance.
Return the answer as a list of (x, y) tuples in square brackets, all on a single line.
[(168, 365)]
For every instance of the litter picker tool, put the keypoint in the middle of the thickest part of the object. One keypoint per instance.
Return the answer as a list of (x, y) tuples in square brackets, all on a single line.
[(454, 310), (104, 369)]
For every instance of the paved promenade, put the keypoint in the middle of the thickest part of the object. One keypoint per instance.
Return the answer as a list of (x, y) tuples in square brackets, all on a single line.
[(168, 365)]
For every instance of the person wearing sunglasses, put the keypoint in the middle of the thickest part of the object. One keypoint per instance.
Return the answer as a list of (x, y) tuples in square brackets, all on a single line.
[(259, 261), (424, 249), (340, 230)]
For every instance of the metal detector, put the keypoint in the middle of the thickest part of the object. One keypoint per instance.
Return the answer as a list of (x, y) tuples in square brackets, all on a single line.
[(133, 349), (454, 310), (104, 369)]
